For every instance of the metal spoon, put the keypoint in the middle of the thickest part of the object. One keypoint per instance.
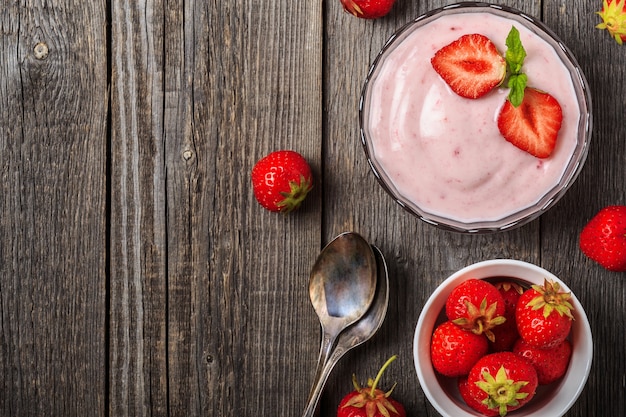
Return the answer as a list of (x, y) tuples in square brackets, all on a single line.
[(342, 287), (362, 330)]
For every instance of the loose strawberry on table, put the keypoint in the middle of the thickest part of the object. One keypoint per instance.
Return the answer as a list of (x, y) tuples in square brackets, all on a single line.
[(281, 181), (500, 382), (370, 401), (603, 239), (544, 315), (368, 9), (613, 16)]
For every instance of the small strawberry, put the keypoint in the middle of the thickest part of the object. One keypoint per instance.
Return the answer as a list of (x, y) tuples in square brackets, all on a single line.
[(544, 315), (368, 9), (476, 305), (370, 401), (550, 364), (281, 181), (603, 239), (453, 350), (533, 126), (613, 16), (500, 382), (471, 65), (506, 333)]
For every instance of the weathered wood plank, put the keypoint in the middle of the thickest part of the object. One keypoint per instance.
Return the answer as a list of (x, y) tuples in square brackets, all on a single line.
[(263, 93), (53, 110), (138, 295)]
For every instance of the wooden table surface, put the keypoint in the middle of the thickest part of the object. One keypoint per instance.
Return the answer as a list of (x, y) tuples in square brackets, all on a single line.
[(138, 276)]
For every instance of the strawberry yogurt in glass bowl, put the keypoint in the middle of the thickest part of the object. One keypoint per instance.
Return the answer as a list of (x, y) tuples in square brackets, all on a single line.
[(442, 156)]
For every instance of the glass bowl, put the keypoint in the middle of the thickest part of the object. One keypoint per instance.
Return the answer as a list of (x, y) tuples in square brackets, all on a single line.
[(457, 175)]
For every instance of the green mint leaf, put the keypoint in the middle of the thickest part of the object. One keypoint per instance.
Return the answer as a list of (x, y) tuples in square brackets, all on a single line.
[(517, 84), (515, 53)]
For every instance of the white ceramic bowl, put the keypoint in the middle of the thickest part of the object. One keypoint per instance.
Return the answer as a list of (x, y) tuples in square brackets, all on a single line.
[(550, 400)]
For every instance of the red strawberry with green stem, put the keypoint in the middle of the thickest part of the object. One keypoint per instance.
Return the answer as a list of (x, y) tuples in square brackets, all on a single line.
[(281, 180), (500, 382), (470, 65), (476, 305), (368, 9), (603, 239), (453, 350), (613, 16), (550, 364), (544, 315), (370, 401)]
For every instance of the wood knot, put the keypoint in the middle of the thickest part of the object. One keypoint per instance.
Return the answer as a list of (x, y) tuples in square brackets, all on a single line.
[(187, 155), (41, 50)]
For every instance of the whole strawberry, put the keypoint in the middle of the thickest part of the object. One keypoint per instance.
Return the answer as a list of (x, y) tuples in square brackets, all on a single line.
[(613, 16), (281, 181), (603, 239), (368, 9), (500, 382), (544, 315), (370, 401), (476, 305), (506, 334), (550, 364), (453, 350)]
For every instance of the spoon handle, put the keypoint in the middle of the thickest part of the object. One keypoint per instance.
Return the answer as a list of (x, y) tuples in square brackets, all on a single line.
[(325, 364)]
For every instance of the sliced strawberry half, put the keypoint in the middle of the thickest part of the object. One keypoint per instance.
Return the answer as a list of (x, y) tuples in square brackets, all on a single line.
[(534, 125), (471, 65)]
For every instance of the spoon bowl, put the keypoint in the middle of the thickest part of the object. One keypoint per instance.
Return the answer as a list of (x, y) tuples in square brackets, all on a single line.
[(343, 281), (342, 287), (364, 329)]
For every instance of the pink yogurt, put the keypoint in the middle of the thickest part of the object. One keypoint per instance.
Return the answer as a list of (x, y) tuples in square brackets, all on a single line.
[(443, 152)]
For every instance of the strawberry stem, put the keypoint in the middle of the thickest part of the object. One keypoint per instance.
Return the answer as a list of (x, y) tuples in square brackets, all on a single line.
[(380, 373)]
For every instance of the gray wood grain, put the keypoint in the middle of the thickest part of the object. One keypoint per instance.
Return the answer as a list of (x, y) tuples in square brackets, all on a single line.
[(138, 256), (53, 101)]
